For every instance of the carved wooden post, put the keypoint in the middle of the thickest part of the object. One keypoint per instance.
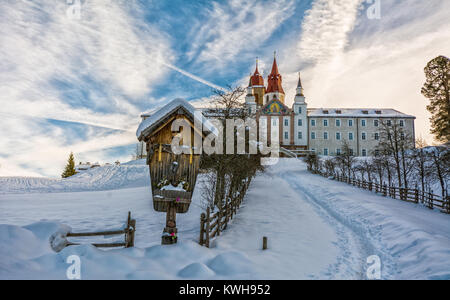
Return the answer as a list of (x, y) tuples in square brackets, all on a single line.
[(170, 231)]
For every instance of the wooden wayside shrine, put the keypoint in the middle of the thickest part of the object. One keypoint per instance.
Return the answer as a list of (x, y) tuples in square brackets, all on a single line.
[(173, 176)]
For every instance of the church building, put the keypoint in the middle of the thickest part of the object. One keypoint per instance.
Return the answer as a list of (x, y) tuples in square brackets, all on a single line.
[(321, 130), (301, 129)]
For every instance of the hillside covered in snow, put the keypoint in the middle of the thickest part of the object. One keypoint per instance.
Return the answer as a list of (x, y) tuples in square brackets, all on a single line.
[(128, 175), (317, 228)]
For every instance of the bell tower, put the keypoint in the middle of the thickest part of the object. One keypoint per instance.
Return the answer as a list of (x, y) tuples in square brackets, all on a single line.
[(257, 85), (300, 116), (274, 86)]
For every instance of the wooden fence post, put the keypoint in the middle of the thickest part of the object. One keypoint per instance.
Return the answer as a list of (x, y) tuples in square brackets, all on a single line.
[(219, 221), (128, 231), (448, 204), (133, 231), (416, 195), (264, 243), (208, 224), (202, 229), (228, 210), (430, 203), (231, 209)]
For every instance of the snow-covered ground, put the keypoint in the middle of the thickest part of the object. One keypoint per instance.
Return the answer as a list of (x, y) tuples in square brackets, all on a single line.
[(131, 174), (317, 228)]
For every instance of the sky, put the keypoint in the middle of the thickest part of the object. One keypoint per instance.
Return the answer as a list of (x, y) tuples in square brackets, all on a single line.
[(76, 75)]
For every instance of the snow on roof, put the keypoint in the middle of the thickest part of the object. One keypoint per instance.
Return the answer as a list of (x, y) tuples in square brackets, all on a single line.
[(357, 112), (219, 112), (168, 109)]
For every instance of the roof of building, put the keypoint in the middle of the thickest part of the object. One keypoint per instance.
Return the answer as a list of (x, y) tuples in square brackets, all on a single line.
[(219, 112), (275, 79), (299, 86), (160, 115), (256, 79), (357, 112)]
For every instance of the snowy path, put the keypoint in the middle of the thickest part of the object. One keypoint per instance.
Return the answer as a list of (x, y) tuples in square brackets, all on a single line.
[(305, 241), (411, 241)]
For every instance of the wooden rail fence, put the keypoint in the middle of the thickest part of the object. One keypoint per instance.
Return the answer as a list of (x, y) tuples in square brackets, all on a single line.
[(428, 199), (211, 225), (129, 233)]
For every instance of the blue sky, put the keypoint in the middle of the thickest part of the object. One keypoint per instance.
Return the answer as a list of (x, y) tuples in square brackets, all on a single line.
[(78, 82)]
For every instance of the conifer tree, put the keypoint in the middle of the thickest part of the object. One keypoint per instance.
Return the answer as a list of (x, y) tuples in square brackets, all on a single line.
[(437, 90), (70, 167)]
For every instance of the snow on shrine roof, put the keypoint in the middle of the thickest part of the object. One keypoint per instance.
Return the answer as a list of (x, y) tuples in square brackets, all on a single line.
[(160, 114), (357, 112)]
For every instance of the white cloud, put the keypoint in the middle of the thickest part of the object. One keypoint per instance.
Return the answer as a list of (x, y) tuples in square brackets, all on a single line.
[(325, 29), (40, 44), (234, 27), (371, 63)]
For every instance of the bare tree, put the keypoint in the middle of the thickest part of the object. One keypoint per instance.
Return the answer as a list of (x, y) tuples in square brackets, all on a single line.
[(232, 172), (366, 165), (208, 187), (378, 166), (395, 143), (420, 158), (346, 159), (312, 161), (362, 171), (330, 167), (440, 159)]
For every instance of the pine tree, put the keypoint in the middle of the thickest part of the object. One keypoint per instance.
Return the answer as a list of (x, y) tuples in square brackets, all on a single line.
[(70, 167), (436, 89)]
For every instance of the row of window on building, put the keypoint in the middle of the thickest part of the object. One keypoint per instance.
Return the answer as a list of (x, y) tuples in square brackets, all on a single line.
[(376, 123), (325, 123), (376, 136), (364, 152)]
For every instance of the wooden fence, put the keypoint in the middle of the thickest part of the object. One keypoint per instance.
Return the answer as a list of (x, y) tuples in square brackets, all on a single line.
[(211, 225), (129, 232), (428, 199)]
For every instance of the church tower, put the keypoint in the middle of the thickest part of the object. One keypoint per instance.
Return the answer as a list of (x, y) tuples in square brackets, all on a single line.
[(274, 87), (300, 116), (250, 98), (257, 85)]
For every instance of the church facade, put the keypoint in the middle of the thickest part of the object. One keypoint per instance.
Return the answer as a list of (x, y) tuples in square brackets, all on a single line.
[(321, 130)]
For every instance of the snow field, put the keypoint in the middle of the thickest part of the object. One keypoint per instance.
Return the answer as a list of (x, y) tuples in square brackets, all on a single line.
[(317, 229)]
